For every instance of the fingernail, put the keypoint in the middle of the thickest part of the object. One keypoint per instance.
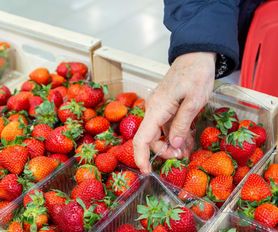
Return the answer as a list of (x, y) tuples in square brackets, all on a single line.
[(177, 142), (177, 153)]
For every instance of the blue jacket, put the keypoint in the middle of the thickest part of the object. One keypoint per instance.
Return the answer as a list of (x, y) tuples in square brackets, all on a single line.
[(209, 25)]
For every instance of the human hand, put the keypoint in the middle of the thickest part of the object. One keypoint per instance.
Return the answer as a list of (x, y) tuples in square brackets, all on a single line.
[(174, 104)]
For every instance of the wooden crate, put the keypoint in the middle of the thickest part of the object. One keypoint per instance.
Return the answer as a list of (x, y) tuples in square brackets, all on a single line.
[(36, 44)]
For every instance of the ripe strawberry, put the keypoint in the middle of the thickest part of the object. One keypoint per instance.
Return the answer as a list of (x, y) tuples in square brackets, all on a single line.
[(40, 167), (29, 86), (68, 69), (203, 209), (41, 131), (115, 111), (126, 228), (196, 182), (226, 120), (77, 77), (34, 102), (85, 153), (121, 182), (54, 213), (86, 172), (14, 158), (240, 145), (126, 156), (255, 189), (87, 138), (97, 125), (140, 103), (10, 188), (35, 147), (174, 172), (62, 90), (55, 97), (130, 124), (34, 217), (71, 110), (260, 135), (8, 216), (61, 158), (240, 173), (209, 138), (180, 219), (267, 214), (219, 163), (106, 140), (106, 162), (12, 130), (90, 94), (40, 76), (271, 174), (15, 226), (160, 228), (88, 114), (20, 117), (56, 80), (34, 197), (5, 94), (246, 123), (101, 208), (64, 70), (54, 197), (200, 154), (255, 157), (89, 190), (127, 98), (220, 188)]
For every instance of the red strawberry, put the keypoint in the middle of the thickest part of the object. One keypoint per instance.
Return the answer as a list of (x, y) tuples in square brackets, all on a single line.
[(78, 68), (62, 90), (121, 182), (62, 158), (56, 80), (126, 228), (209, 138), (255, 189), (241, 172), (260, 135), (88, 114), (40, 76), (15, 226), (271, 174), (55, 212), (255, 157), (106, 162), (10, 188), (87, 138), (106, 140), (64, 70), (77, 77), (35, 147), (220, 188), (14, 158), (28, 86), (55, 97), (246, 123), (140, 103), (174, 172), (267, 214), (54, 197), (71, 110), (198, 158), (240, 145), (41, 131), (8, 216), (101, 208), (5, 94), (34, 102), (127, 98), (97, 125), (203, 209), (226, 120), (86, 172), (126, 156), (85, 153), (115, 111), (19, 101)]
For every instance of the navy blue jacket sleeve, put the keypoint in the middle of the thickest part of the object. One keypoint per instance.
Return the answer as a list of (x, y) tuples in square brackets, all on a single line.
[(204, 25)]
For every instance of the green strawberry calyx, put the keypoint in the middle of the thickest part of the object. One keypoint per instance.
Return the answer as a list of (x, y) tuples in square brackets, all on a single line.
[(42, 91), (119, 181), (76, 108), (137, 111), (46, 114), (237, 138), (31, 213), (87, 153), (109, 138), (170, 164), (74, 129), (224, 120)]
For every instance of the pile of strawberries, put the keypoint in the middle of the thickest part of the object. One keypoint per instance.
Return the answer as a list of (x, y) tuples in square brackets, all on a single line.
[(259, 197), (53, 117), (229, 148)]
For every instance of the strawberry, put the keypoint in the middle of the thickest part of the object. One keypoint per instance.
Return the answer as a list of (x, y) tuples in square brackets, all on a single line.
[(160, 228), (46, 113), (10, 188), (240, 145), (34, 197), (77, 77), (56, 80), (71, 110), (106, 162), (54, 197), (140, 103), (55, 97), (174, 172), (14, 158), (127, 98), (97, 125), (34, 217), (267, 214), (87, 138), (219, 163), (246, 123), (240, 173), (40, 167), (12, 130), (54, 213), (101, 208), (203, 209), (89, 190), (115, 111), (226, 120), (255, 189), (8, 216), (126, 228), (180, 219), (67, 69), (40, 76), (209, 138), (61, 158), (86, 172), (200, 154), (126, 155), (64, 70), (88, 114), (15, 226), (196, 182), (19, 101), (90, 94), (34, 102), (255, 157), (85, 153), (121, 182), (62, 90), (41, 131), (220, 188), (5, 94), (35, 147), (271, 174), (130, 124), (29, 86), (260, 135), (106, 140), (20, 117)]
